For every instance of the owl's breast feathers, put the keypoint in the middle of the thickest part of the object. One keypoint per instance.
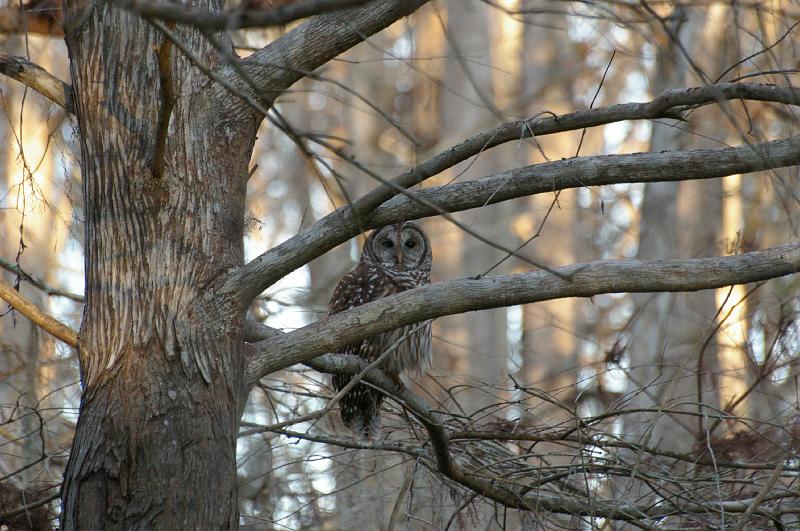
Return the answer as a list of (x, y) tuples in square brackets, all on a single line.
[(411, 344), (369, 282)]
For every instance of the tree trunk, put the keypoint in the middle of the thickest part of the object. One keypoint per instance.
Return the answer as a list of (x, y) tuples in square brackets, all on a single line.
[(161, 355), (664, 332), (480, 355), (368, 479), (549, 349)]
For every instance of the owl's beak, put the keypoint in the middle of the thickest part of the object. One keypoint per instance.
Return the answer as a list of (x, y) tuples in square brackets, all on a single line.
[(399, 248)]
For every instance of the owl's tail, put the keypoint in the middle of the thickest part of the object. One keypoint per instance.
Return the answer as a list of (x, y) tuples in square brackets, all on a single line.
[(360, 408)]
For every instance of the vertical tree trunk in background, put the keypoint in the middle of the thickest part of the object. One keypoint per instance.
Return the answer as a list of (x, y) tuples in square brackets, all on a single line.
[(481, 347), (733, 334), (768, 219), (721, 202), (666, 335), (430, 45), (475, 353), (426, 501), (370, 484), (161, 363), (549, 354)]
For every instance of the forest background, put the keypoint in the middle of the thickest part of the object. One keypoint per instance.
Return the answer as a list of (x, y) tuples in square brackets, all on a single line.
[(685, 404)]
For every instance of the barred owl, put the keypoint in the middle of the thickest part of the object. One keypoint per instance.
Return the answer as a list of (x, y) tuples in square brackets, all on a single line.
[(394, 259)]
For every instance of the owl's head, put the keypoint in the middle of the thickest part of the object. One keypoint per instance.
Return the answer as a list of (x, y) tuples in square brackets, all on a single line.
[(399, 246)]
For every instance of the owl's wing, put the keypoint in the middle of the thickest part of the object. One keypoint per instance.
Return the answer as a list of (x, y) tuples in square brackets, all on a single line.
[(363, 284)]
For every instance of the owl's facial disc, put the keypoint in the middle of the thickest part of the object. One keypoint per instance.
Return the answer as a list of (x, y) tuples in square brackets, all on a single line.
[(383, 246), (398, 246)]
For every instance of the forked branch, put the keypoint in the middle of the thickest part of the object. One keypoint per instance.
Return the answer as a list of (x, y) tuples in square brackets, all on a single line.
[(312, 44), (341, 225), (441, 457)]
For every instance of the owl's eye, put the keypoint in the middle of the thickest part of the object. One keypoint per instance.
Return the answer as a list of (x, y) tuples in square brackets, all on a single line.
[(387, 244), (411, 244)]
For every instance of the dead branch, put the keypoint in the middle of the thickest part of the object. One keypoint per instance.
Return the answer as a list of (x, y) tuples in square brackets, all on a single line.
[(37, 316)]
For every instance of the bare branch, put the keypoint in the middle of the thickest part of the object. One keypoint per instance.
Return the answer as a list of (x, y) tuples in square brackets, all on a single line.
[(16, 270), (282, 62), (592, 171), (465, 295), (235, 19), (38, 79), (670, 104), (342, 364), (341, 225), (765, 490), (29, 507), (37, 316), (509, 495)]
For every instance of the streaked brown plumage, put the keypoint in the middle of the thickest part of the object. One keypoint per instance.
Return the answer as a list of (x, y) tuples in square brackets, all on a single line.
[(394, 259)]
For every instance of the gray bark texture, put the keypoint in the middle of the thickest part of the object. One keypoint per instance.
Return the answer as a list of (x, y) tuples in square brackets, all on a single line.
[(161, 361)]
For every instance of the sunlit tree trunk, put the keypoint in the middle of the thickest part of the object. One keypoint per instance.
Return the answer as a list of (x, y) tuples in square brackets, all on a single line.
[(479, 348), (472, 349), (369, 480), (725, 197), (549, 354), (161, 361)]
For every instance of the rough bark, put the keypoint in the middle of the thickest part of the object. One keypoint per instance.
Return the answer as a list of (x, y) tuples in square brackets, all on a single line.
[(161, 361)]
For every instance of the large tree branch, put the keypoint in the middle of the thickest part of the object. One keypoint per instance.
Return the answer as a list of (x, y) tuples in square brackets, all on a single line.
[(343, 224), (670, 104), (37, 78), (465, 295), (591, 171), (282, 62), (37, 316), (237, 18)]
